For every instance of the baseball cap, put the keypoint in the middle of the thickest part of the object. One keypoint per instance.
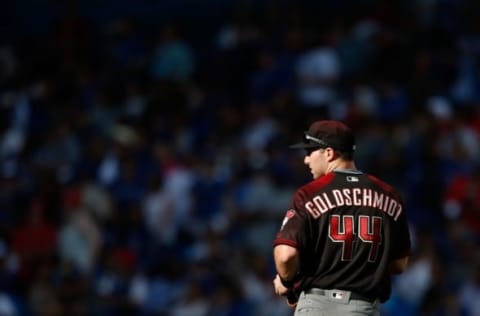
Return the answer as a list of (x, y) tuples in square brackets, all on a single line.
[(328, 133)]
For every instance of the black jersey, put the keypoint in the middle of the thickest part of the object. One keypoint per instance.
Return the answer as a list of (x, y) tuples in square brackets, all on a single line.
[(348, 227)]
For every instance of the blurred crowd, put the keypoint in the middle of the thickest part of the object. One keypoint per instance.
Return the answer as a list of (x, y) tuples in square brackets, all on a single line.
[(144, 162)]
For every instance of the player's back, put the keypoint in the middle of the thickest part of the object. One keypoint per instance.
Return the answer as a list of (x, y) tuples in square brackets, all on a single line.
[(352, 232)]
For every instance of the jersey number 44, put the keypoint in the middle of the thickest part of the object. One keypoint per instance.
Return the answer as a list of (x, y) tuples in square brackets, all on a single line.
[(345, 228)]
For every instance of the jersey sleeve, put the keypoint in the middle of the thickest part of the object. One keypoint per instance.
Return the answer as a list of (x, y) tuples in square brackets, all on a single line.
[(401, 236), (294, 227)]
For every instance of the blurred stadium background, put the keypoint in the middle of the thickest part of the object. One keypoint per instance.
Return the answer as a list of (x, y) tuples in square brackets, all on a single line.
[(144, 167)]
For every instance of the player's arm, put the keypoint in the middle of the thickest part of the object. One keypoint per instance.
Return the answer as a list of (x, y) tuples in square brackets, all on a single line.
[(287, 264), (286, 261), (401, 237), (399, 266)]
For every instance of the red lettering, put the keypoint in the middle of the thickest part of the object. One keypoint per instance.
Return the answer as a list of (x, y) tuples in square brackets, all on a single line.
[(369, 231), (341, 230)]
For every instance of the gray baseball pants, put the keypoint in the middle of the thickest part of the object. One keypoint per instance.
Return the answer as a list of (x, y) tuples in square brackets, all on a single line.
[(316, 302)]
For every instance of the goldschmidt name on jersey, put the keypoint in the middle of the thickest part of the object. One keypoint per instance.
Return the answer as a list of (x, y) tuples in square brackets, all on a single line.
[(363, 197)]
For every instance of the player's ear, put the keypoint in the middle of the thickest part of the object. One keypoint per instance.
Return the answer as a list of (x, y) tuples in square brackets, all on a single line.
[(331, 153)]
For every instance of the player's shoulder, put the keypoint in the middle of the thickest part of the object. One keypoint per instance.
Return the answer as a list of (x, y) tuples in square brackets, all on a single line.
[(382, 184), (314, 186)]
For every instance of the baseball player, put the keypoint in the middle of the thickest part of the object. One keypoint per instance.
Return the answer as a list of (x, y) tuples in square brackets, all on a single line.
[(345, 234)]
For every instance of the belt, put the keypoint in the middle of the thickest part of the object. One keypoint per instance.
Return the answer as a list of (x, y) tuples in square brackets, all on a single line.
[(353, 295)]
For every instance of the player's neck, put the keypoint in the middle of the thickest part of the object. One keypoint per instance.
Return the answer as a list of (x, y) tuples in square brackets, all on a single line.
[(341, 164)]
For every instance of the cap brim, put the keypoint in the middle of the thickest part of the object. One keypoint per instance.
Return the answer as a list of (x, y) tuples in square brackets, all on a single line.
[(304, 146)]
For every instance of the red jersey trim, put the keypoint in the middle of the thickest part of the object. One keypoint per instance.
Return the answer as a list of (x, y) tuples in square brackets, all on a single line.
[(321, 182), (281, 241), (314, 186), (383, 185)]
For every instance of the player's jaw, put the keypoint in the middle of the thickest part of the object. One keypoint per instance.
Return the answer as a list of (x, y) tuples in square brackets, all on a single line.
[(314, 161)]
